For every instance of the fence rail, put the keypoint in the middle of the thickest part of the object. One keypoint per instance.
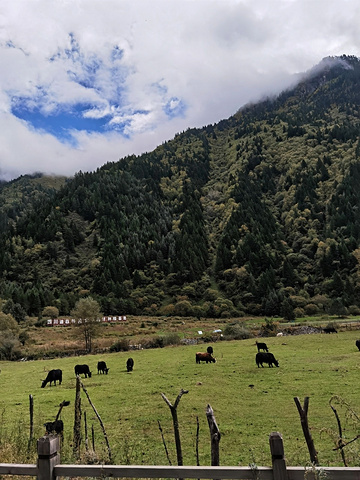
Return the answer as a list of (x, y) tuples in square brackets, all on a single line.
[(48, 467)]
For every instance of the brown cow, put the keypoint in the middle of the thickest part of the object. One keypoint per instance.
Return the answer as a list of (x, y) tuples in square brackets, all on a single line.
[(204, 357)]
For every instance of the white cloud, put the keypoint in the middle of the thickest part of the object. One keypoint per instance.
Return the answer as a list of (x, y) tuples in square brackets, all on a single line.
[(151, 69)]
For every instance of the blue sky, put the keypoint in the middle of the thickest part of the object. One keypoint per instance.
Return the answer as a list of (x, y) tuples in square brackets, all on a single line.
[(85, 82)]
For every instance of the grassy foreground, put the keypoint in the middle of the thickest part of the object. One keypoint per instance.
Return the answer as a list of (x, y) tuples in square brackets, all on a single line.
[(248, 402)]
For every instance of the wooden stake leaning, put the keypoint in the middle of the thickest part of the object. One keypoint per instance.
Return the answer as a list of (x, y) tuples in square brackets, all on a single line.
[(100, 421), (303, 411), (164, 443)]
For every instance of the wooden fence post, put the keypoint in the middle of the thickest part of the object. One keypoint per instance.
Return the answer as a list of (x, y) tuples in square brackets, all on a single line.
[(303, 412), (31, 408), (48, 456), (214, 436), (277, 456), (173, 410), (77, 419)]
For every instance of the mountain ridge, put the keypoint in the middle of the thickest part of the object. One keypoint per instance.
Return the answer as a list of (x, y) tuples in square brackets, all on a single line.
[(255, 214)]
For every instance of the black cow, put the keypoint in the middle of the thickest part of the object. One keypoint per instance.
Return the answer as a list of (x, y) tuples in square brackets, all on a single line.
[(102, 368), (261, 346), (266, 357), (204, 357), (52, 376), (210, 350), (83, 369), (357, 343), (330, 330), (54, 427), (129, 364)]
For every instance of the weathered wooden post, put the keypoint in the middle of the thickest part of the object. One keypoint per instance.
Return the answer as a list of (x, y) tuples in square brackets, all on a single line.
[(176, 423), (277, 456), (31, 408), (77, 420), (48, 456), (214, 436)]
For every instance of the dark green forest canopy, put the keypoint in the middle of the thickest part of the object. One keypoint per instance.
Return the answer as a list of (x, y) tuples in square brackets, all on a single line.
[(258, 214)]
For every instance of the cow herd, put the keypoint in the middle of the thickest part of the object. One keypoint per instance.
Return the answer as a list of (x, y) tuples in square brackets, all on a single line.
[(56, 375), (262, 357)]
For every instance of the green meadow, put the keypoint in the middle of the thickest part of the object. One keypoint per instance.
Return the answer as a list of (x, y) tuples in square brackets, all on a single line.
[(248, 402)]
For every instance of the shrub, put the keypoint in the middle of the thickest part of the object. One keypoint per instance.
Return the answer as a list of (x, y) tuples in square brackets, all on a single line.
[(298, 300), (8, 323), (171, 339), (354, 310), (337, 308), (269, 328), (41, 322), (189, 291), (121, 345), (299, 312), (311, 309), (154, 342), (161, 341), (211, 295), (236, 331), (9, 346), (322, 301), (198, 311), (168, 310), (254, 308), (183, 308), (23, 337), (50, 311)]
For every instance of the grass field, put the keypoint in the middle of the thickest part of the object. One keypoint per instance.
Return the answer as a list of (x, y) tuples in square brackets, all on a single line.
[(130, 404)]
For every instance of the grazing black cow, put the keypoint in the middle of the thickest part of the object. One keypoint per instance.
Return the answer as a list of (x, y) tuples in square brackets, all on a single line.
[(102, 368), (54, 427), (84, 369), (204, 357), (210, 350), (129, 364), (330, 330), (52, 376), (266, 357), (357, 343), (261, 346)]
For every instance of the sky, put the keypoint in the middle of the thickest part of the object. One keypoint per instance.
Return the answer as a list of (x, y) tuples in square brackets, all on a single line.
[(86, 82)]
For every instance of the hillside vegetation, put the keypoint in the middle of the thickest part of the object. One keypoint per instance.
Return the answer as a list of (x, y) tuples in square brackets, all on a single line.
[(255, 215)]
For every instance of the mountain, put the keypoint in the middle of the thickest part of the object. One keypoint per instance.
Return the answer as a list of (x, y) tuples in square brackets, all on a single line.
[(257, 214)]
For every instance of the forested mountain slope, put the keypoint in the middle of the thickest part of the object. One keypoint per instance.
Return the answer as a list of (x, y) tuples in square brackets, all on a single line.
[(20, 196), (257, 214)]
